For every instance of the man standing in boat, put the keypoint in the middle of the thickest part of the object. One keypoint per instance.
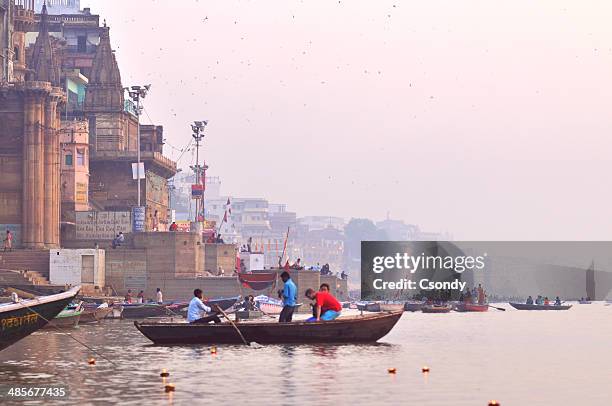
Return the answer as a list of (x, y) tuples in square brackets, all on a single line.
[(197, 307), (289, 298)]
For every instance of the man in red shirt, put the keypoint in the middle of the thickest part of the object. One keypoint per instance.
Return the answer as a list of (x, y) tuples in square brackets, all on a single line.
[(327, 307)]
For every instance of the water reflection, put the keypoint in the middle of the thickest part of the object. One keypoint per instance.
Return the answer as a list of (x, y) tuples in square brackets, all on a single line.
[(459, 349)]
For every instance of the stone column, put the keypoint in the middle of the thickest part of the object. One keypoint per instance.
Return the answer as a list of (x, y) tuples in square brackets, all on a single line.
[(50, 198), (33, 168)]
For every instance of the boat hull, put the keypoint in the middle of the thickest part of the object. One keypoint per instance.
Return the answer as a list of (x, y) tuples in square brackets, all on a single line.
[(22, 319), (435, 309), (391, 307), (64, 322), (413, 306), (523, 306), (143, 310), (95, 315), (357, 329), (471, 307)]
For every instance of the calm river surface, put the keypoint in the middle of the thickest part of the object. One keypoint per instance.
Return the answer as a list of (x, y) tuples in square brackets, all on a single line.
[(516, 357)]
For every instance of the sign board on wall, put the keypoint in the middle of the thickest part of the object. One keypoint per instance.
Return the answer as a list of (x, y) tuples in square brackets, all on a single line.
[(136, 171), (138, 214), (102, 225)]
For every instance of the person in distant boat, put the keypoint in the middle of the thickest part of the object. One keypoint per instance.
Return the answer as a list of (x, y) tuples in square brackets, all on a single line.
[(343, 275), (546, 301), (289, 296), (159, 296), (529, 300), (468, 296), (481, 294), (539, 300), (140, 296), (197, 308), (128, 296), (173, 226), (8, 241), (327, 307), (557, 301), (474, 295), (14, 297)]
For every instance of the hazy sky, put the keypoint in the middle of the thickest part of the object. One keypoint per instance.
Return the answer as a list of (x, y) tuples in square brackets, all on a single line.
[(486, 119)]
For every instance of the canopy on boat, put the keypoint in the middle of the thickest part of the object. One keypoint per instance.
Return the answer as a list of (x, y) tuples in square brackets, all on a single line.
[(257, 281)]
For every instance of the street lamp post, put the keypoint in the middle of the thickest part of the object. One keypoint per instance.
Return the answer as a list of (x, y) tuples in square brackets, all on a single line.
[(198, 134), (137, 93)]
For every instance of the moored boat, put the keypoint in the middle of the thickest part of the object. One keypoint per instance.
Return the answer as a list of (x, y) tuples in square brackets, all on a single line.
[(372, 307), (523, 306), (436, 308), (584, 302), (350, 329), (67, 318), (143, 310), (95, 313), (412, 306), (391, 306), (18, 320), (471, 307)]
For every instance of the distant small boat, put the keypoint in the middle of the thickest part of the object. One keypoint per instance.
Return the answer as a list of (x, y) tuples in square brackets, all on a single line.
[(391, 306), (436, 308), (143, 310), (361, 305), (93, 313), (471, 307), (268, 305), (18, 320), (373, 307), (67, 318), (524, 306), (584, 302), (411, 306)]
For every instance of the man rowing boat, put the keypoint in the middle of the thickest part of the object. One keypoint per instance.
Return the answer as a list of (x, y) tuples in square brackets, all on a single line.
[(197, 307)]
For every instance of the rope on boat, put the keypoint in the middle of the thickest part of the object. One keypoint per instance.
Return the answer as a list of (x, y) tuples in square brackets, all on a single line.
[(68, 334)]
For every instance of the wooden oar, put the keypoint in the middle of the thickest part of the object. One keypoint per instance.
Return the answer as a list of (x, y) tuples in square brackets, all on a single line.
[(233, 325), (498, 308)]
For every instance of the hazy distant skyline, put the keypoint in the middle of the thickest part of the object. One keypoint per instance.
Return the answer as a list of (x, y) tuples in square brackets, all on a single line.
[(486, 119)]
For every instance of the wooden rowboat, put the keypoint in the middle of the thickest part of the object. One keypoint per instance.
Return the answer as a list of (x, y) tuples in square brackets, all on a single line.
[(523, 306), (67, 318), (412, 306), (471, 307), (351, 329), (95, 314), (18, 320), (436, 308), (391, 306)]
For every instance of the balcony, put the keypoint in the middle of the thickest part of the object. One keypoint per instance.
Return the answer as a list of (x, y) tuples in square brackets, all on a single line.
[(154, 161)]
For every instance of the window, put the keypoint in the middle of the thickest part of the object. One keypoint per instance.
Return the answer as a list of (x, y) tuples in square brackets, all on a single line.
[(80, 157), (82, 44), (68, 159)]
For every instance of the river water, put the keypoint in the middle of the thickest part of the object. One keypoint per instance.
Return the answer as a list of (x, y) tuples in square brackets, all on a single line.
[(515, 357)]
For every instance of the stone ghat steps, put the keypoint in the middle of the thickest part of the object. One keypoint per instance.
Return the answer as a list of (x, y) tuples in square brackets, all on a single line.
[(35, 262)]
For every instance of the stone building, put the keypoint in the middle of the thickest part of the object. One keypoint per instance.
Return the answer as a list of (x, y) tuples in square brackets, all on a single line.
[(29, 135)]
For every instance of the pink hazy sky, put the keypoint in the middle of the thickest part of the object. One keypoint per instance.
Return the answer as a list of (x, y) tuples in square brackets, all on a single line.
[(486, 119)]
